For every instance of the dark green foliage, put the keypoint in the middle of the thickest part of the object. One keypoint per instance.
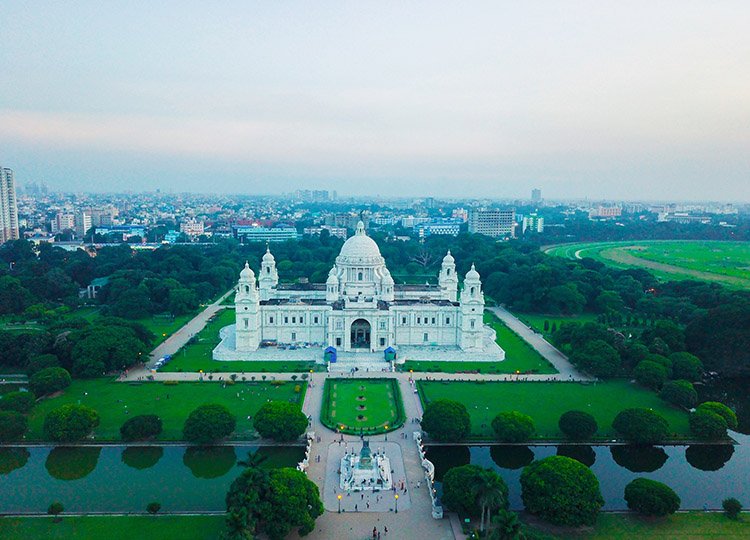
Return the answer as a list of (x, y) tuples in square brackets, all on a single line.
[(12, 426), (706, 424), (138, 428), (272, 502), (106, 348), (680, 393), (722, 410), (446, 420), (55, 509), (642, 426), (721, 336), (598, 358), (686, 366), (21, 402), (562, 491), (280, 421), (153, 507), (650, 374), (661, 360), (49, 380), (38, 363), (651, 498), (578, 425), (70, 423), (459, 493), (513, 427), (732, 507), (209, 423)]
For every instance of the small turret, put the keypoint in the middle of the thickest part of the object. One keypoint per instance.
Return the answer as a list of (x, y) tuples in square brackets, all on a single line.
[(448, 279), (269, 276), (472, 312)]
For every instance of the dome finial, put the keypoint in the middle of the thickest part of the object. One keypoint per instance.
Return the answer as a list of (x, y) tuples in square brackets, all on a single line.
[(360, 228)]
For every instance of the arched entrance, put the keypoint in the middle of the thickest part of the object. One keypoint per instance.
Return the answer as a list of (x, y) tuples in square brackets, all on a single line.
[(360, 334)]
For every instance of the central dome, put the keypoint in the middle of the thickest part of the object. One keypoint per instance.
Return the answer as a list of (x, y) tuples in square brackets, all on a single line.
[(359, 246)]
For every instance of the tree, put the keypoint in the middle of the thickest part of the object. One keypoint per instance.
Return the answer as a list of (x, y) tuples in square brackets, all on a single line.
[(722, 410), (104, 349), (706, 424), (446, 420), (144, 426), (41, 361), (598, 358), (578, 425), (650, 374), (280, 421), (55, 509), (460, 491), (513, 427), (562, 491), (651, 498), (641, 426), (18, 401), (209, 423), (70, 422), (153, 508), (12, 425), (491, 494), (686, 366), (505, 526), (49, 380), (732, 507), (680, 393)]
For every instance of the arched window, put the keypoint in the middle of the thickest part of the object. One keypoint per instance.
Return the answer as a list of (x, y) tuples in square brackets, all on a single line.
[(268, 269), (247, 288), (359, 276), (448, 272), (472, 291)]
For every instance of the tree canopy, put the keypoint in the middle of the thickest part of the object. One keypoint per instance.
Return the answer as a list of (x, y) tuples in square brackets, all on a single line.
[(69, 423), (651, 498), (642, 426), (446, 420), (209, 423), (280, 421), (513, 427)]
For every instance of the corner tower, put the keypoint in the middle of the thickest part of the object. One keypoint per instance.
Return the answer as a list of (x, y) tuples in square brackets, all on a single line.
[(447, 279), (471, 313), (247, 312), (269, 276)]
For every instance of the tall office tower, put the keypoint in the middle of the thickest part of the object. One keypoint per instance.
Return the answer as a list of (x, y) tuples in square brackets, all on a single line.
[(493, 222), (8, 208), (536, 195)]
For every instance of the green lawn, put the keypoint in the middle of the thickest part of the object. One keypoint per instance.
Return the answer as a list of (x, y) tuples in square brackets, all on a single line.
[(113, 527), (354, 405), (116, 402), (546, 401), (678, 526), (164, 326), (536, 321)]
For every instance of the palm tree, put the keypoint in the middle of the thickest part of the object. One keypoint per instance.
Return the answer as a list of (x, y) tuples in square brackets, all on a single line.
[(237, 526), (490, 494), (254, 459), (506, 526)]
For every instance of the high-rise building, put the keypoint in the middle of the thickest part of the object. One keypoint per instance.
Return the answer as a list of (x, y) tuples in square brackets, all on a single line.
[(62, 222), (536, 195), (532, 223), (8, 207), (492, 222), (83, 223)]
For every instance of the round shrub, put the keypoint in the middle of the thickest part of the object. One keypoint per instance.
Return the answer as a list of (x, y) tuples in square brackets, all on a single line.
[(208, 423), (562, 491), (280, 421), (446, 420), (578, 425), (41, 362), (722, 410), (686, 366), (49, 380), (651, 498), (642, 426), (21, 402), (680, 393), (513, 427), (661, 360), (732, 507), (141, 427), (70, 423), (459, 489), (707, 425), (12, 425), (650, 374)]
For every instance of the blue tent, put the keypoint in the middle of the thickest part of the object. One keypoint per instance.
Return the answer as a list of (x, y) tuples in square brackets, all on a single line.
[(330, 354), (390, 354)]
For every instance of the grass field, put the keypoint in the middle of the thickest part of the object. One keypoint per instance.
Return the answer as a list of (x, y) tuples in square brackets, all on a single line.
[(685, 525), (116, 402), (723, 262), (113, 527), (356, 405), (519, 356), (546, 401)]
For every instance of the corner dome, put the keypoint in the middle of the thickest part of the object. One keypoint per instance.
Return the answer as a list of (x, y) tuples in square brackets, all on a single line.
[(268, 257), (448, 259), (472, 274), (359, 246), (247, 272)]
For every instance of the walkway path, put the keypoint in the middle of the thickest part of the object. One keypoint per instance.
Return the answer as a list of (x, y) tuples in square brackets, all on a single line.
[(566, 370)]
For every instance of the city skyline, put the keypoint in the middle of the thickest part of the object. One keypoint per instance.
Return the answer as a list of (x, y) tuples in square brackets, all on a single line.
[(580, 101)]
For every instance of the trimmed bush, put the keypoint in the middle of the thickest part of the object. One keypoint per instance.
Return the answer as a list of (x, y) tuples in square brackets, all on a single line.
[(280, 421), (642, 426), (138, 428), (49, 380), (680, 393), (650, 374), (446, 420), (513, 427), (578, 425), (21, 402), (562, 491), (686, 366), (12, 425), (732, 507), (209, 423), (153, 507), (70, 423), (651, 498), (722, 410), (707, 425)]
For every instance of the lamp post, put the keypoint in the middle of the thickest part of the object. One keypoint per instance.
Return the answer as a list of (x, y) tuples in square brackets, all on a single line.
[(396, 497), (339, 498)]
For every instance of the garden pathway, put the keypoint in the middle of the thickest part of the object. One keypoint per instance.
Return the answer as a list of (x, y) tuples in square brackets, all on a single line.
[(566, 370)]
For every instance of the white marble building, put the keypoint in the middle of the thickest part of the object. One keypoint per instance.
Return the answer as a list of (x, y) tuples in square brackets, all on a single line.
[(358, 309)]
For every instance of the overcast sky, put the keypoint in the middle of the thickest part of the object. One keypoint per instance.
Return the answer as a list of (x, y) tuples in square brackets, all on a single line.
[(602, 99)]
